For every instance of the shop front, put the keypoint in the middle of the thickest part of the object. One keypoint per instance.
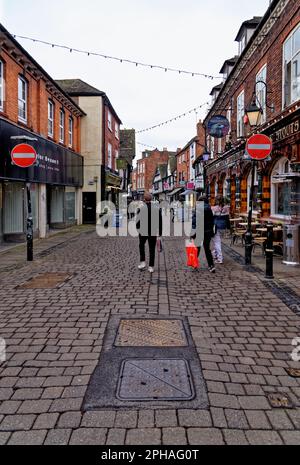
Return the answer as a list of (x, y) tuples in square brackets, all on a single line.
[(54, 181), (113, 184)]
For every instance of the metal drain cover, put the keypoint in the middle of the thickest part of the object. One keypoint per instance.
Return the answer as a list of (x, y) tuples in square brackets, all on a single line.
[(280, 401), (46, 281), (148, 380), (151, 333)]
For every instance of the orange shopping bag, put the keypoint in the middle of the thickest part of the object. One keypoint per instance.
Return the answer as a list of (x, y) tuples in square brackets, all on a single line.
[(192, 255)]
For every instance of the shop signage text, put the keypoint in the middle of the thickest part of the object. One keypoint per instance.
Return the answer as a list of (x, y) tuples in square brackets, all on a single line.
[(286, 131)]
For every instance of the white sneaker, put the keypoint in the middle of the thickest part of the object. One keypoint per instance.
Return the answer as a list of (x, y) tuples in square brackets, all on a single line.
[(151, 269), (142, 266)]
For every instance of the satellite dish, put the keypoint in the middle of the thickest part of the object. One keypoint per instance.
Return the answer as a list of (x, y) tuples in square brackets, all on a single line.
[(218, 126)]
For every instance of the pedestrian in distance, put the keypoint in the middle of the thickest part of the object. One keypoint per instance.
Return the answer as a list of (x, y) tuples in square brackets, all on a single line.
[(221, 214), (149, 226), (208, 232)]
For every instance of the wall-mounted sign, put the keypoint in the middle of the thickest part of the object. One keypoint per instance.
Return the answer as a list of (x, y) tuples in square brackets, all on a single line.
[(218, 126)]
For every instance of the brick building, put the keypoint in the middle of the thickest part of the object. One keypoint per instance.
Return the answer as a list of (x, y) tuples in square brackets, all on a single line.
[(100, 145), (32, 105), (267, 70), (147, 166)]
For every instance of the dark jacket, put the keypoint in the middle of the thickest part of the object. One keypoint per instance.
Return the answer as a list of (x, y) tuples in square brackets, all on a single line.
[(209, 225), (149, 220)]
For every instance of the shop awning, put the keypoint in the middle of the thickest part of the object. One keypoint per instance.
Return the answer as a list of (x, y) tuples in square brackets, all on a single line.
[(175, 192)]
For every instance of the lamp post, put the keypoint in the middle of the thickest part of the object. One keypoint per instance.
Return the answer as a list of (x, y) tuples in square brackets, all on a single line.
[(253, 116)]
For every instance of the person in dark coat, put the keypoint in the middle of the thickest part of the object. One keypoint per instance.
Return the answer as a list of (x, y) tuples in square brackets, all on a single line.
[(209, 232), (149, 226)]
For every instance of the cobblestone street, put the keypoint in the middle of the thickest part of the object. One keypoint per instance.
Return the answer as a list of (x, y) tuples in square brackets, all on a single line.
[(242, 331)]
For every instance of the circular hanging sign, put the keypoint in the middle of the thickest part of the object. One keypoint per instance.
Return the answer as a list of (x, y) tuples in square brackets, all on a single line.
[(23, 155), (218, 126), (259, 146)]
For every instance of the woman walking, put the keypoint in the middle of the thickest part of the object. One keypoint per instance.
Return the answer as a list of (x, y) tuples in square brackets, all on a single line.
[(208, 232), (221, 214)]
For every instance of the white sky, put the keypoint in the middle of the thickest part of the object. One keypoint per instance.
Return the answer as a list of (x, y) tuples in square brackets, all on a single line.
[(196, 35)]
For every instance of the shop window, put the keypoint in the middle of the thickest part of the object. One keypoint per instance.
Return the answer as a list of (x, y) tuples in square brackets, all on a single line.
[(70, 206), (13, 208), (291, 68), (240, 114), (50, 118), (57, 205), (281, 189), (22, 99), (1, 85), (62, 126), (261, 92)]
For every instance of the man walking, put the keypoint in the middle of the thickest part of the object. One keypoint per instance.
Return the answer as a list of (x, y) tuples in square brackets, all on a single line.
[(149, 226), (208, 232)]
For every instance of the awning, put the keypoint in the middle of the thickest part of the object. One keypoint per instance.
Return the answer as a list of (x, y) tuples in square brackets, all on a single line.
[(175, 192)]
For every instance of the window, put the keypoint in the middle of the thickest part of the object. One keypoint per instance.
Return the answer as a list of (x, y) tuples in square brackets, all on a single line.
[(109, 156), (62, 126), (281, 189), (228, 116), (71, 130), (240, 114), (117, 130), (1, 85), (50, 118), (291, 68), (109, 119), (22, 99), (219, 146), (261, 92)]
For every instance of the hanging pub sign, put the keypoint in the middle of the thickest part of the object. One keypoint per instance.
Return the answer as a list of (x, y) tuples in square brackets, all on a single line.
[(218, 126)]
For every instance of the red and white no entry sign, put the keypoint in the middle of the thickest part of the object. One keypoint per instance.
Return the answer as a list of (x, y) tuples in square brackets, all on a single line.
[(23, 155), (259, 146)]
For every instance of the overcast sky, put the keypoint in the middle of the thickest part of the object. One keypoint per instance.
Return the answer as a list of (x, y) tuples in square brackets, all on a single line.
[(196, 35)]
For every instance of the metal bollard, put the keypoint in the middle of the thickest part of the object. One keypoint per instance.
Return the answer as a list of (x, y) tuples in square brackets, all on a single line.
[(269, 252)]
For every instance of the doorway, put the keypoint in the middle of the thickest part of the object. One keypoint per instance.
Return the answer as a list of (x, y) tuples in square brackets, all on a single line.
[(89, 202)]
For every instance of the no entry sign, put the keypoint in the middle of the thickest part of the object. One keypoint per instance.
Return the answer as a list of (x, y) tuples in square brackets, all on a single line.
[(23, 155), (259, 146)]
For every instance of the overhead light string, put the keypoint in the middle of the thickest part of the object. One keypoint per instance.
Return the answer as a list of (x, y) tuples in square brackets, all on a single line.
[(120, 60), (188, 112)]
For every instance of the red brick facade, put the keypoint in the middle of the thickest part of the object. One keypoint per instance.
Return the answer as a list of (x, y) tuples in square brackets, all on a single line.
[(39, 90), (264, 48), (147, 166), (112, 136)]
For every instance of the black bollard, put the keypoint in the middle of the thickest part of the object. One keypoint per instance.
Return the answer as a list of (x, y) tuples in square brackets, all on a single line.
[(29, 227), (269, 252)]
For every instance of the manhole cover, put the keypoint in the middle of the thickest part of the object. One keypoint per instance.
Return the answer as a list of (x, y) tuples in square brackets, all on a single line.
[(280, 401), (295, 373), (46, 281), (148, 380), (151, 333)]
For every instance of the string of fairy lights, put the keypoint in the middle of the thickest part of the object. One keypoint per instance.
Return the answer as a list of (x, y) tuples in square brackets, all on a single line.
[(118, 59)]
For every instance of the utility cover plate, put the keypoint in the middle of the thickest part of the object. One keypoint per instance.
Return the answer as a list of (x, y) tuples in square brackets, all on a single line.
[(162, 379), (46, 281), (151, 333), (280, 401), (295, 373)]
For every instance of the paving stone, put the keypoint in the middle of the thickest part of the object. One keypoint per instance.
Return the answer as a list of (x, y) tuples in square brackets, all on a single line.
[(279, 420), (35, 406), (218, 417), (224, 401), (235, 437), (17, 423), (27, 394), (194, 418), (52, 393), (27, 438), (217, 387), (236, 419), (291, 438), (74, 391), (126, 420), (6, 393), (104, 419), (70, 420), (141, 436), (254, 403), (116, 437), (262, 438), (9, 407), (46, 421), (257, 419), (88, 437), (58, 437), (65, 405), (146, 419), (202, 436), (57, 381), (174, 437), (4, 438), (165, 418)]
